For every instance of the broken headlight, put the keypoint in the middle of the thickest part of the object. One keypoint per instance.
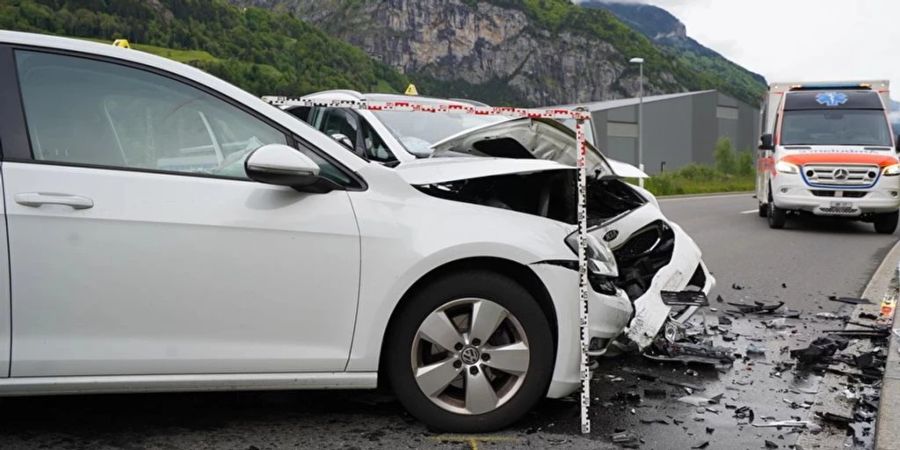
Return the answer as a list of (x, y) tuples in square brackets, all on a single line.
[(600, 259)]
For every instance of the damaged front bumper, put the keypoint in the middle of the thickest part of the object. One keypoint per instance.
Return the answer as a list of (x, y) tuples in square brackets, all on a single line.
[(685, 272), (608, 316)]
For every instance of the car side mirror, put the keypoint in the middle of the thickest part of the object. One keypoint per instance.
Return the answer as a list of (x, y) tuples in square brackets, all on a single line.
[(283, 166), (766, 142), (897, 144), (421, 152), (343, 139)]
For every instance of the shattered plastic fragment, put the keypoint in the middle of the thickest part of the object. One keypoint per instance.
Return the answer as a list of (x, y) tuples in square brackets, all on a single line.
[(788, 424), (757, 307), (623, 437)]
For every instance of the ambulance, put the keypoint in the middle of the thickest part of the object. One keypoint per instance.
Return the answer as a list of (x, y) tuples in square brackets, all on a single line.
[(827, 150)]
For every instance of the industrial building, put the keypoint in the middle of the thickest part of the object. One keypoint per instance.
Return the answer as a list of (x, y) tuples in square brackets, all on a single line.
[(679, 129)]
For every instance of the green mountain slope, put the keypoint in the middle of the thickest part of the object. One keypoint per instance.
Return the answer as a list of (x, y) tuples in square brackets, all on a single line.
[(261, 51), (670, 35)]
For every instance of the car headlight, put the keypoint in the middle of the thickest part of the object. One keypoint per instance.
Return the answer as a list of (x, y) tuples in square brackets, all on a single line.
[(891, 170), (786, 167), (600, 259)]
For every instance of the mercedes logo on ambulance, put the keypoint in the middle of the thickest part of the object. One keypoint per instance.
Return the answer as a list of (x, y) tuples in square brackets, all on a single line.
[(840, 174)]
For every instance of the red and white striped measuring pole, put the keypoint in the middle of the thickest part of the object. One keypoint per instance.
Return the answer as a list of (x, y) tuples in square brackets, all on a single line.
[(580, 116)]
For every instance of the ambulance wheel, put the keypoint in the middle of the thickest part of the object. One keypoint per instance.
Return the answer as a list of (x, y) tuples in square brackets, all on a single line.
[(887, 223), (763, 209), (777, 216)]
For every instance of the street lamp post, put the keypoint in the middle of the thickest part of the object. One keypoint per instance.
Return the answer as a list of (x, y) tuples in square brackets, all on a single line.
[(640, 63)]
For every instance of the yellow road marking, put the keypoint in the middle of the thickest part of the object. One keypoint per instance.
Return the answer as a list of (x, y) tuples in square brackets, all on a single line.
[(473, 440)]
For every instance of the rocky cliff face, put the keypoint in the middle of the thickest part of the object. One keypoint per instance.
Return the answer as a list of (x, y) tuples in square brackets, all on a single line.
[(483, 50), (671, 36)]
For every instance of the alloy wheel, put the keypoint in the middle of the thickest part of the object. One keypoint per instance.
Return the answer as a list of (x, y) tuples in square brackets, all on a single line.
[(470, 356)]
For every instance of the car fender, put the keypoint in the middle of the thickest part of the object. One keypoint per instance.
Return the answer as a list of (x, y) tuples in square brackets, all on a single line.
[(407, 234)]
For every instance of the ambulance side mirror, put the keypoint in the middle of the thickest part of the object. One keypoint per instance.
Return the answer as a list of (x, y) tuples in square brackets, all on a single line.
[(897, 144), (766, 142)]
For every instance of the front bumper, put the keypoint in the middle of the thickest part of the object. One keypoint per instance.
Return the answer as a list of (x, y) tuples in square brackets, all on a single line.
[(791, 192), (608, 317), (685, 268)]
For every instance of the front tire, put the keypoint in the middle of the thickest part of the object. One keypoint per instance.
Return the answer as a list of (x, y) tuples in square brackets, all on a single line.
[(471, 352), (777, 216), (763, 209), (887, 223)]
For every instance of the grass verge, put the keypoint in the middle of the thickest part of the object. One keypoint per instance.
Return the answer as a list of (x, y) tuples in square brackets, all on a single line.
[(698, 179)]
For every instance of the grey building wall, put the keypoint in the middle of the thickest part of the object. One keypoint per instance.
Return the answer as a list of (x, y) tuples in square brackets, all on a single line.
[(668, 134), (705, 126), (678, 129)]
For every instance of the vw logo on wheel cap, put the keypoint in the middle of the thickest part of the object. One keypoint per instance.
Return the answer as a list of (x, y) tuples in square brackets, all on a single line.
[(840, 174), (470, 355)]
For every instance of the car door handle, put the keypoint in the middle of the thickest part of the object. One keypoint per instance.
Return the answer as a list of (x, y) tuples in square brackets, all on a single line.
[(37, 199)]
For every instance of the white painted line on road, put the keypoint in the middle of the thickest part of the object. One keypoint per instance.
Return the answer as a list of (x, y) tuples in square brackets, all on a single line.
[(749, 211), (705, 197)]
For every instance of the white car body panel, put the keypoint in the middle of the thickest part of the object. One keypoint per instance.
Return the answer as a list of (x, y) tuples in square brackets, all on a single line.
[(429, 231), (442, 170), (205, 253)]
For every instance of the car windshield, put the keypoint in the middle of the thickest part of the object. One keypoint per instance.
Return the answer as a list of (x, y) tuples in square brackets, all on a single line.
[(835, 127), (417, 131)]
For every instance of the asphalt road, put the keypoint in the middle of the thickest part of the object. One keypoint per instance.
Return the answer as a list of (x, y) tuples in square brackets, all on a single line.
[(812, 259)]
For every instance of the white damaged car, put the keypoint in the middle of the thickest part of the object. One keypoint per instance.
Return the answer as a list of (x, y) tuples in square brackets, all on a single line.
[(660, 265), (175, 233)]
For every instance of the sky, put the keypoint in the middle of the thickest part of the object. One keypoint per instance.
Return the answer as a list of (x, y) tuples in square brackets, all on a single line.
[(799, 40)]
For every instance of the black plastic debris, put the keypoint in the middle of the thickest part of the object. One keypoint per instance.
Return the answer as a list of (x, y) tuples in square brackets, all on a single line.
[(744, 412), (770, 444), (820, 350), (710, 430), (737, 287), (701, 446), (784, 285), (720, 299), (684, 298), (868, 316), (757, 307), (684, 352), (850, 300), (835, 419)]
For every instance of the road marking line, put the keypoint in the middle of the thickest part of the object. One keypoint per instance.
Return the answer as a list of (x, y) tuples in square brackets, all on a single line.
[(749, 211), (705, 196)]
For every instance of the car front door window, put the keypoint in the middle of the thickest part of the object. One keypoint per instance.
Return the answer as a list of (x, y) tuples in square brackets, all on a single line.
[(121, 117)]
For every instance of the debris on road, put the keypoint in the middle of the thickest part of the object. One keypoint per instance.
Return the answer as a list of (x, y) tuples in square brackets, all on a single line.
[(686, 352), (696, 400), (850, 300), (756, 307)]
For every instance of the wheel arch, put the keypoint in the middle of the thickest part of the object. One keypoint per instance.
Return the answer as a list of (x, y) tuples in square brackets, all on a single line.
[(515, 271)]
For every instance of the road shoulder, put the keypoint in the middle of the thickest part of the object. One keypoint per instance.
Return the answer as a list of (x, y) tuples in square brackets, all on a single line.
[(887, 427)]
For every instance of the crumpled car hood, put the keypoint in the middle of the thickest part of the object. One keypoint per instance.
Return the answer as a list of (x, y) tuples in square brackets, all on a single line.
[(442, 170), (526, 138)]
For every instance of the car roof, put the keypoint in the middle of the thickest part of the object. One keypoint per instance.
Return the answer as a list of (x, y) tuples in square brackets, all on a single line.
[(247, 99)]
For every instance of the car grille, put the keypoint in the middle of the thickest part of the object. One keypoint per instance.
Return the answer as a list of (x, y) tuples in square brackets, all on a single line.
[(839, 210), (844, 194), (840, 175)]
